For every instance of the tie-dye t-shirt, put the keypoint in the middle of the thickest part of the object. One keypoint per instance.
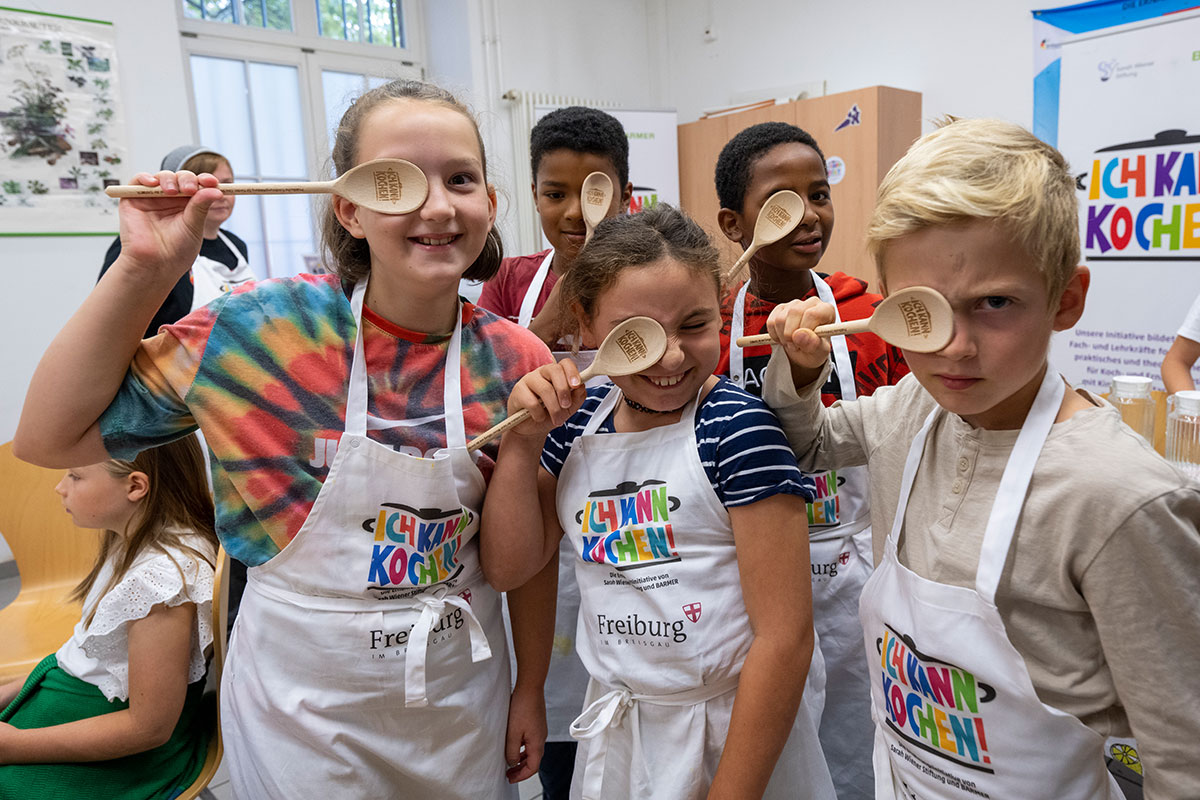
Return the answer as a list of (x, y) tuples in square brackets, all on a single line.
[(264, 372)]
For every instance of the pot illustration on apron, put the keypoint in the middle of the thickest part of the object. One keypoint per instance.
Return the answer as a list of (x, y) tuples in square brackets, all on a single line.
[(211, 279), (363, 660), (839, 535), (956, 714), (663, 628)]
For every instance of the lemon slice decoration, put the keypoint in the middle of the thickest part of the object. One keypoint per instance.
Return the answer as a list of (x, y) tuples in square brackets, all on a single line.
[(1127, 755)]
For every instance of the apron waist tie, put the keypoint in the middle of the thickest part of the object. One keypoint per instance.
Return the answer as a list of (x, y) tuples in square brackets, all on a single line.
[(435, 602), (608, 710)]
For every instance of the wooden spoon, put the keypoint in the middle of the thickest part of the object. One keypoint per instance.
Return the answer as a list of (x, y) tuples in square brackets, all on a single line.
[(385, 185), (779, 216), (917, 319), (594, 201), (632, 346)]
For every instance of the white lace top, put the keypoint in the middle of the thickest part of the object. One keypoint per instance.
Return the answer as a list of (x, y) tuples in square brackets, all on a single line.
[(99, 653)]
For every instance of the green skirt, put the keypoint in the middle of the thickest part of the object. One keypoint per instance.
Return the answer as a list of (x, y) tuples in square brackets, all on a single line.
[(51, 697)]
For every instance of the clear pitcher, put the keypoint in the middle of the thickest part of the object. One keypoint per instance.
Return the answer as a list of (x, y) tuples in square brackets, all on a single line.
[(1131, 396), (1183, 432)]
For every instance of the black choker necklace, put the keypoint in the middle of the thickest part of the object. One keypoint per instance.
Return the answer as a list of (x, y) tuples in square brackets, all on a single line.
[(636, 406)]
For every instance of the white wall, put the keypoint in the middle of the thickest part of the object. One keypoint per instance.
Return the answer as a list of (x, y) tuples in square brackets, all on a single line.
[(46, 277), (968, 58)]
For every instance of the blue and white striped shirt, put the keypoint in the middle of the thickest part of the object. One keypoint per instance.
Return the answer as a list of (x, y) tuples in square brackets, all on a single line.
[(742, 448)]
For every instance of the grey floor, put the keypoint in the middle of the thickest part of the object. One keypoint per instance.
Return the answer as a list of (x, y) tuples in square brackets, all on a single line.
[(219, 788)]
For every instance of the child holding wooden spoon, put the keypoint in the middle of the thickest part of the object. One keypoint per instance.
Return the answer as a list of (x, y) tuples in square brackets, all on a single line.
[(337, 409), (685, 514), (1036, 582)]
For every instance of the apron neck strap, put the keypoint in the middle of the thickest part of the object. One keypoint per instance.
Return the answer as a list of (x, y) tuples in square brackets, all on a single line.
[(841, 351), (1014, 483), (356, 396), (613, 395), (237, 254), (529, 302)]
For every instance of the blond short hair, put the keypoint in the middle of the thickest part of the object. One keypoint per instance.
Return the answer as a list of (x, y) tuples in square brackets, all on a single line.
[(971, 169)]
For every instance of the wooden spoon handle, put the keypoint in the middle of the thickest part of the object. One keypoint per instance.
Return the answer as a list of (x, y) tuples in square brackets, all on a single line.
[(824, 331), (517, 418), (291, 187)]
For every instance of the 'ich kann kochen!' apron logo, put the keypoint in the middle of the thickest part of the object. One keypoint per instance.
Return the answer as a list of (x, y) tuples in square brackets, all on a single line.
[(415, 546), (1142, 200), (628, 526), (933, 705)]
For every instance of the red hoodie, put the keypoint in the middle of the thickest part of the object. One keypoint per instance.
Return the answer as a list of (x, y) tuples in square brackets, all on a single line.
[(876, 363)]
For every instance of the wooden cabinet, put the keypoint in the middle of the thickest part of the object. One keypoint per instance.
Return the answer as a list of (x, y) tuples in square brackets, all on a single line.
[(888, 121)]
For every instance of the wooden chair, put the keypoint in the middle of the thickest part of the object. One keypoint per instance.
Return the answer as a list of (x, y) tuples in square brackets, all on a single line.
[(220, 615), (52, 556)]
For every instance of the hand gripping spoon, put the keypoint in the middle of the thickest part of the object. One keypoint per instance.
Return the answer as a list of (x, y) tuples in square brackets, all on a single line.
[(634, 345), (385, 185), (917, 319), (779, 216), (594, 201)]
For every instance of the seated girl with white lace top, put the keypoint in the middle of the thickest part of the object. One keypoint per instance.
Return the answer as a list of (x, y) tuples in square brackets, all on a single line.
[(116, 708)]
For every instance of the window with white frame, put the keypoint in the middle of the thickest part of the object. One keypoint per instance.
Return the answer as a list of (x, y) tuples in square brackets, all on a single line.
[(270, 80)]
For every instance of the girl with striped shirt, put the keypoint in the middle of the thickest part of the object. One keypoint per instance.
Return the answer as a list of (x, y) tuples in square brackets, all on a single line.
[(686, 513)]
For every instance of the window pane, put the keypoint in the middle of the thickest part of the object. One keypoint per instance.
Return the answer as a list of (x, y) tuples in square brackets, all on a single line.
[(340, 89), (278, 121), (380, 14), (274, 14), (223, 111), (246, 222), (376, 21), (290, 227)]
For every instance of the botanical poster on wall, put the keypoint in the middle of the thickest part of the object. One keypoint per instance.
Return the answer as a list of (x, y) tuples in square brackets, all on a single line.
[(62, 132)]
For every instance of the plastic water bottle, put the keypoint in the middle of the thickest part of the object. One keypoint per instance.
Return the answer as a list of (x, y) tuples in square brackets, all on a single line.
[(1131, 395), (1183, 432)]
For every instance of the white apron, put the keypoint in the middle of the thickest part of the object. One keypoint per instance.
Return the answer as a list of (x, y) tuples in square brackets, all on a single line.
[(360, 665), (566, 681), (584, 358), (955, 709), (839, 534), (663, 628), (211, 279)]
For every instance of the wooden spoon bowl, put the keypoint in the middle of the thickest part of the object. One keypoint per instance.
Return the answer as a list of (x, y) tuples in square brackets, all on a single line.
[(385, 185), (632, 346), (917, 318), (778, 217), (595, 198)]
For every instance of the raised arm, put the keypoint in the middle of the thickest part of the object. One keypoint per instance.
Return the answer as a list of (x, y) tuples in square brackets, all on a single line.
[(771, 537), (83, 367), (519, 529), (1177, 365)]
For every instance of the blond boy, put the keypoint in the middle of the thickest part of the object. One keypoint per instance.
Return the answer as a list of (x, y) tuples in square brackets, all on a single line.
[(1036, 586)]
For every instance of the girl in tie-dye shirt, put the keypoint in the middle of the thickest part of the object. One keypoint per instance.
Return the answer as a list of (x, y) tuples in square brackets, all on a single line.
[(265, 373)]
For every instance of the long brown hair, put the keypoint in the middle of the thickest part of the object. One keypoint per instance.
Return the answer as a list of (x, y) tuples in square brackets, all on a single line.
[(352, 257), (177, 504)]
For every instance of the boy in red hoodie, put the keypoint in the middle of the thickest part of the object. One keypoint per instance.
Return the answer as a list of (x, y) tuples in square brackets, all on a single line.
[(758, 162)]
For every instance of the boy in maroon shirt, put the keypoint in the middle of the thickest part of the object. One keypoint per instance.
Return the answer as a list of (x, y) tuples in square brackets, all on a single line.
[(565, 146)]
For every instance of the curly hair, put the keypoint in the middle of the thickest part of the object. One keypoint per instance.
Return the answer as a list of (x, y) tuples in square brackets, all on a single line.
[(740, 153), (583, 130), (634, 240)]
